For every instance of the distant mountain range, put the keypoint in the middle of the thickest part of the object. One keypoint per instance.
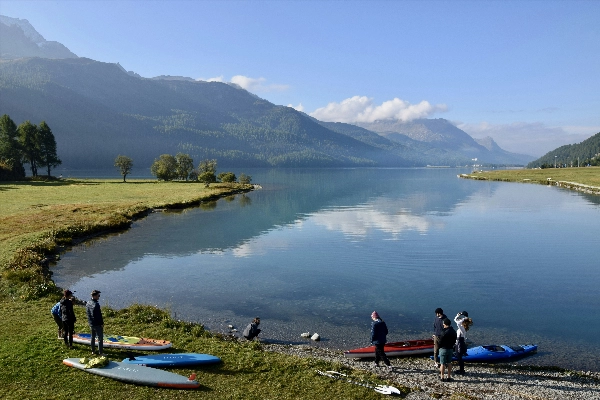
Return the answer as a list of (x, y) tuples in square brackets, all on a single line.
[(98, 110)]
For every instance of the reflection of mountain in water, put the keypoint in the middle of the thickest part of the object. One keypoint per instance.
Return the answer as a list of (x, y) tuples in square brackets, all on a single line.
[(388, 199)]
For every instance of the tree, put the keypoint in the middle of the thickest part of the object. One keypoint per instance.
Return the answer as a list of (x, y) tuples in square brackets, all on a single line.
[(227, 177), (165, 167), (185, 165), (11, 165), (47, 148), (124, 164), (207, 171), (245, 179), (28, 139)]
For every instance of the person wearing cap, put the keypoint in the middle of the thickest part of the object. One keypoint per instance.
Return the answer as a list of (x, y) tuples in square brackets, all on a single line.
[(447, 341), (463, 323), (68, 317), (379, 333), (252, 330), (95, 321), (437, 332)]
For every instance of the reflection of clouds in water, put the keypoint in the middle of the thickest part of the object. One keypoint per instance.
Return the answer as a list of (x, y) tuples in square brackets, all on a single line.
[(360, 222), (352, 222), (258, 246)]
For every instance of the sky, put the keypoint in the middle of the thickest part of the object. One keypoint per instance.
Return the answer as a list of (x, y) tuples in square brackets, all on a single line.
[(526, 73)]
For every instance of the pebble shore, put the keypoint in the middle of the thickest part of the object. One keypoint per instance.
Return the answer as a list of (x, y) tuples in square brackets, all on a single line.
[(482, 381)]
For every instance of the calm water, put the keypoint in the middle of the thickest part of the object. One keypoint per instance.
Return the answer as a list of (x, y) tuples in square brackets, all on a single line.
[(319, 250)]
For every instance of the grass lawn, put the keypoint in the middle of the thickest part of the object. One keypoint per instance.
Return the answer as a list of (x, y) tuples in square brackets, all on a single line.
[(38, 218), (586, 176)]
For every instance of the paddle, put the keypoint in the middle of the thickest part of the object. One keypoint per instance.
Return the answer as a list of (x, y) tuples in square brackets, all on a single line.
[(383, 389)]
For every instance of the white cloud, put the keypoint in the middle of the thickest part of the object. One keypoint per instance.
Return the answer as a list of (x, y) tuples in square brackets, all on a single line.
[(215, 79), (361, 109), (257, 85), (533, 138), (299, 107)]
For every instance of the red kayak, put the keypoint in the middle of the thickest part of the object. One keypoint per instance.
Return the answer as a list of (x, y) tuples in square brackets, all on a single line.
[(406, 348)]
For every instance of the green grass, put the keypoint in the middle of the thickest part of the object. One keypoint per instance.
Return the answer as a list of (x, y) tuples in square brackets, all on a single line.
[(586, 176), (31, 361), (39, 218)]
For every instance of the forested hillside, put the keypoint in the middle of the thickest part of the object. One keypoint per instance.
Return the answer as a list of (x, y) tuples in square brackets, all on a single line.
[(571, 155), (98, 111)]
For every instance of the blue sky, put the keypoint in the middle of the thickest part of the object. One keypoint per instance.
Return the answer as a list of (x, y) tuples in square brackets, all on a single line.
[(526, 73)]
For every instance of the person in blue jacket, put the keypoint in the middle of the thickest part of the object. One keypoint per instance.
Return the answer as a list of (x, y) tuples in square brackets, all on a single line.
[(55, 311), (379, 333), (95, 321)]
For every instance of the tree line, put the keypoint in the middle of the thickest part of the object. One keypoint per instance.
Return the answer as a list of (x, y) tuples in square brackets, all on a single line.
[(26, 144), (181, 167)]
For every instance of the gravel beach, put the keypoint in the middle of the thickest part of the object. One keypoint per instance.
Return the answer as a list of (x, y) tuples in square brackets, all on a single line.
[(482, 381)]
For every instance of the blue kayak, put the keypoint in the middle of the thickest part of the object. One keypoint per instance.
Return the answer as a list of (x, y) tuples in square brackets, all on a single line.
[(173, 360), (497, 353)]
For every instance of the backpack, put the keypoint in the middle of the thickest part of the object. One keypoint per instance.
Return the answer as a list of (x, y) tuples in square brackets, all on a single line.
[(56, 310)]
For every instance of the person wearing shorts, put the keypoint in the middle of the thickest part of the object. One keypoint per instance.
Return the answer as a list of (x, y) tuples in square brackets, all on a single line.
[(447, 340)]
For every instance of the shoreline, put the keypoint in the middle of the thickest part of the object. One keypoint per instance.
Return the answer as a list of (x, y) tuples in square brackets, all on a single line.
[(482, 381)]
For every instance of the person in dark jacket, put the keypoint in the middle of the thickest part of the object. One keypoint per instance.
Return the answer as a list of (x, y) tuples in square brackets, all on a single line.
[(95, 321), (379, 333), (437, 332), (447, 341), (252, 330), (68, 317)]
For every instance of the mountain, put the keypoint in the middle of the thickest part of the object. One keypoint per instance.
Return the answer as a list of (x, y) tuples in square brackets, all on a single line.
[(584, 153), (442, 135), (20, 39), (99, 110)]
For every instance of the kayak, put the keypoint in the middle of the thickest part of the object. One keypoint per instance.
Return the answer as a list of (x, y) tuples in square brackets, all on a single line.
[(497, 353), (173, 360), (395, 349), (124, 342), (137, 374), (491, 353)]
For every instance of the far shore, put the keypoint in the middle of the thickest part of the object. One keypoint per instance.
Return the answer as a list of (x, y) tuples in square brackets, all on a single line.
[(583, 179)]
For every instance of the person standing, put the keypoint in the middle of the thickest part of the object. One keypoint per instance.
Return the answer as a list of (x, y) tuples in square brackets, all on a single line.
[(379, 333), (447, 341), (463, 323), (55, 311), (252, 330), (95, 321), (68, 317), (437, 332)]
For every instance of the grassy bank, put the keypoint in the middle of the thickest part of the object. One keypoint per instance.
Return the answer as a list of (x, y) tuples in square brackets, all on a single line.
[(582, 177), (37, 220)]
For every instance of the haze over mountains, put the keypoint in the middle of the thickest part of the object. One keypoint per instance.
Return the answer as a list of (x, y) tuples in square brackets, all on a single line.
[(98, 110)]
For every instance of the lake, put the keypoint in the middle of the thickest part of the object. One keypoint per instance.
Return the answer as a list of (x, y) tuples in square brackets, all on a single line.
[(317, 250)]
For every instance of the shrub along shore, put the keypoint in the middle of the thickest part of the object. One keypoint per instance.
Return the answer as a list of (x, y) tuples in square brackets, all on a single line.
[(38, 220)]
